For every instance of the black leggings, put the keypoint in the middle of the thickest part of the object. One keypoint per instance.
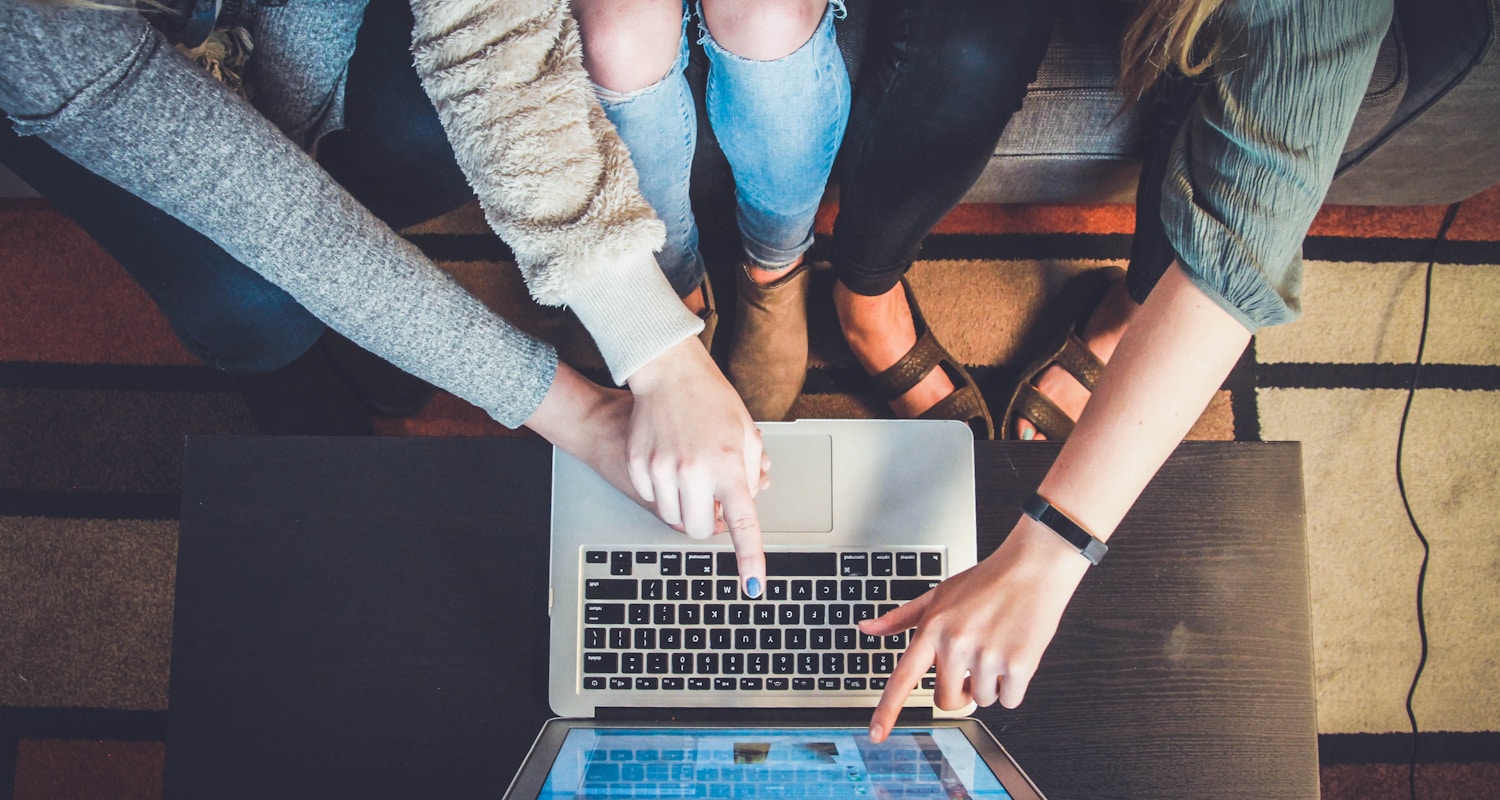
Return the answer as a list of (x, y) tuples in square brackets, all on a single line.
[(938, 84)]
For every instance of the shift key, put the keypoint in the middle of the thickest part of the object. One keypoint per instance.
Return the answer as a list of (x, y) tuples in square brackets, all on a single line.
[(609, 589), (911, 589)]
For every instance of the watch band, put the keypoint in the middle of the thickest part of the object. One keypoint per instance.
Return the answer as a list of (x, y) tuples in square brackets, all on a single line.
[(1071, 532)]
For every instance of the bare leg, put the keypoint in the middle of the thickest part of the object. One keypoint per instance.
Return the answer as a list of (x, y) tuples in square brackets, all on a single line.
[(880, 330)]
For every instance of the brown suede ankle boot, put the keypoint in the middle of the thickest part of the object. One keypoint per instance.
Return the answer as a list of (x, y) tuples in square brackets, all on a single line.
[(768, 353)]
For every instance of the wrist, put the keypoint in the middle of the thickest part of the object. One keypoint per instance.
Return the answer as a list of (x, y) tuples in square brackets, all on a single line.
[(1036, 545), (685, 358)]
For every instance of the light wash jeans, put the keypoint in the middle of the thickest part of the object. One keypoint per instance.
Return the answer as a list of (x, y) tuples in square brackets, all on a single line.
[(779, 124)]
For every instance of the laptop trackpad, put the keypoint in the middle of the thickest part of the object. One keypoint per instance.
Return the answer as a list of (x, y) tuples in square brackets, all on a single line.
[(800, 499)]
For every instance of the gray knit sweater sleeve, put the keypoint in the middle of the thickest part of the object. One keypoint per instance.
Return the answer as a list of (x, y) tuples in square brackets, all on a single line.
[(1250, 168), (554, 179), (105, 90)]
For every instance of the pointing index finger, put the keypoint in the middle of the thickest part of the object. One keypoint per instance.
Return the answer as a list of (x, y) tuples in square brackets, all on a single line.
[(909, 670), (743, 521)]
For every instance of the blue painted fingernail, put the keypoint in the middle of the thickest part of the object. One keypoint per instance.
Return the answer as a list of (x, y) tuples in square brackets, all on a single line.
[(1027, 433), (752, 588)]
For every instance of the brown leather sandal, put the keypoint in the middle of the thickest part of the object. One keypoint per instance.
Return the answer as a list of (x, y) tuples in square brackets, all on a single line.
[(1061, 343), (965, 403)]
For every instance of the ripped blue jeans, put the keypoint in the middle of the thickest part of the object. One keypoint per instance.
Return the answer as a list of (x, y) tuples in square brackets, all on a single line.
[(779, 124)]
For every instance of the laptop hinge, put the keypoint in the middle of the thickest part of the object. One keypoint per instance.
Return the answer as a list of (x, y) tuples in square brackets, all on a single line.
[(855, 716)]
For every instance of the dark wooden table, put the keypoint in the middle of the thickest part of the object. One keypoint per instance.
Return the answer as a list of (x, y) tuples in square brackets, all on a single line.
[(367, 618)]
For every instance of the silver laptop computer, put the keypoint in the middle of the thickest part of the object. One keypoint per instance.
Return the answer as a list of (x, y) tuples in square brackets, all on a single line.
[(675, 684)]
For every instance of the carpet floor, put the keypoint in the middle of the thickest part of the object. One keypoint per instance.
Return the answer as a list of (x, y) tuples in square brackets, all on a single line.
[(96, 396)]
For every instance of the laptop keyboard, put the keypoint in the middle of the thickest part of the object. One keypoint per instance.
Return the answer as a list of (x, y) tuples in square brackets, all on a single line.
[(675, 620)]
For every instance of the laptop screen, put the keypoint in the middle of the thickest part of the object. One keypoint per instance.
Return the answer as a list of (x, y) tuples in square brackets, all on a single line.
[(835, 762)]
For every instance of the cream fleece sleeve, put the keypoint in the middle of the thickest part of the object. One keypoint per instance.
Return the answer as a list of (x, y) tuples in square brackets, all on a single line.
[(553, 177)]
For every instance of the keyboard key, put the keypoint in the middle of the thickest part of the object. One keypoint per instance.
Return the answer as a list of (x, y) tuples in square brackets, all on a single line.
[(682, 663), (645, 639), (826, 590), (833, 663), (725, 684), (854, 564), (664, 614), (695, 638), (656, 663), (906, 563), (804, 684), (596, 557), (600, 663), (838, 614), (620, 562), (669, 638), (932, 563), (751, 684), (845, 638), (619, 638), (646, 683), (689, 614), (896, 641), (708, 664), (640, 613), (782, 663), (814, 614), (882, 564), (878, 683), (733, 663), (765, 614), (739, 614), (703, 590), (677, 589), (854, 684), (859, 663), (770, 639), (594, 682), (789, 614), (726, 590), (829, 684), (645, 557), (651, 589), (851, 590), (807, 664), (671, 564), (885, 663), (745, 639), (796, 639), (632, 663), (910, 590), (698, 564), (875, 590), (593, 638), (757, 663), (776, 590), (604, 613), (698, 684), (619, 684), (778, 684), (718, 638), (798, 564), (609, 589), (864, 611), (868, 642), (929, 682), (820, 638), (672, 683)]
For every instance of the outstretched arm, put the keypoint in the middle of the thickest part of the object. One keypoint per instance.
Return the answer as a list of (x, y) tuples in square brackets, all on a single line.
[(994, 621), (556, 182)]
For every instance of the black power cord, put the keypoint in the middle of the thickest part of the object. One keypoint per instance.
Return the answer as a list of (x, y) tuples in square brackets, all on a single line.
[(1411, 393)]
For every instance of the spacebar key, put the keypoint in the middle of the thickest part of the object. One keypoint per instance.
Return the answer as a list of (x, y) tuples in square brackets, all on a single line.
[(795, 564), (609, 589)]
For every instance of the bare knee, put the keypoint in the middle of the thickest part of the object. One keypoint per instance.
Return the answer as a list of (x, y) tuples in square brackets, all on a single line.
[(762, 30), (628, 44)]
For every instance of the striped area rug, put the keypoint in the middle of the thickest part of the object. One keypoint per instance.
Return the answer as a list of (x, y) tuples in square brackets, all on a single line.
[(96, 396)]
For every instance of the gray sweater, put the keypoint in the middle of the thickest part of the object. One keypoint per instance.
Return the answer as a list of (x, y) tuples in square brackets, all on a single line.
[(105, 90)]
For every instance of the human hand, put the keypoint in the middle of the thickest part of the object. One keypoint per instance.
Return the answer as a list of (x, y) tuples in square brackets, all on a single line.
[(695, 454), (985, 628)]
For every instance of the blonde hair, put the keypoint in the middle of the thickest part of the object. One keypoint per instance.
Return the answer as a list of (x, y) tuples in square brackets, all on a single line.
[(1165, 34)]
